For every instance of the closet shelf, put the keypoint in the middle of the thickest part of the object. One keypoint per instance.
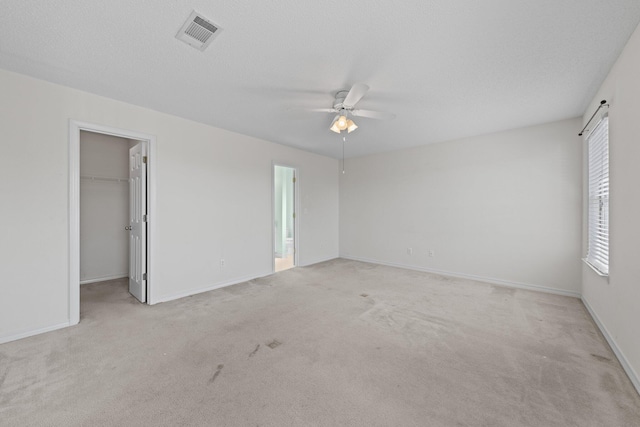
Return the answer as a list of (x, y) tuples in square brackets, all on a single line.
[(103, 178)]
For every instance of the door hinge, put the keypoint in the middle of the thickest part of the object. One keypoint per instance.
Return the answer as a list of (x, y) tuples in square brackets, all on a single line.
[(294, 179), (144, 276), (144, 218), (144, 159), (294, 215)]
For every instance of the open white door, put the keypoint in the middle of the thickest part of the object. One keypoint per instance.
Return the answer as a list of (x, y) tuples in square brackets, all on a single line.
[(137, 222)]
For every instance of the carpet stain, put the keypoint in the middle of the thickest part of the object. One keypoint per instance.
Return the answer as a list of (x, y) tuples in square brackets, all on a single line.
[(254, 351), (273, 344), (601, 358), (364, 295), (215, 375)]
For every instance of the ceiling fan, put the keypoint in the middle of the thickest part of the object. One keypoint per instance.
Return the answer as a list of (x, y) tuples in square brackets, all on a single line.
[(344, 108)]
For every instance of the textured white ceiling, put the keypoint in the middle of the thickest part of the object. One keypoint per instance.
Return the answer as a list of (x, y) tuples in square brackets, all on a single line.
[(446, 68)]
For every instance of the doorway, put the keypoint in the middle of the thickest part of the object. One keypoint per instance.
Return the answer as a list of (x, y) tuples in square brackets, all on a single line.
[(112, 210), (116, 184), (284, 217)]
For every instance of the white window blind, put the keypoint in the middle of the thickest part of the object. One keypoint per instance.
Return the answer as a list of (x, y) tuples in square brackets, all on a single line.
[(598, 209)]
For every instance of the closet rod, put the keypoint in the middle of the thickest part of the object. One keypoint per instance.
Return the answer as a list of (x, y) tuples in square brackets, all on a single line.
[(104, 178)]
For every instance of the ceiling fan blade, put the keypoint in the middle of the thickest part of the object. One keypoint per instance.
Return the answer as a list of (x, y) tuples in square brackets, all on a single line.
[(355, 94), (321, 110), (312, 110), (379, 115)]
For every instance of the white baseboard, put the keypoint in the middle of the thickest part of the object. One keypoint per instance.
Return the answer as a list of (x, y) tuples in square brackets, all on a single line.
[(493, 281), (631, 373), (30, 333), (171, 297), (104, 278)]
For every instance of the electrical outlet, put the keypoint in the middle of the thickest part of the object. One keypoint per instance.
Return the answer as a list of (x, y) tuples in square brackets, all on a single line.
[(222, 262), (431, 252), (409, 251)]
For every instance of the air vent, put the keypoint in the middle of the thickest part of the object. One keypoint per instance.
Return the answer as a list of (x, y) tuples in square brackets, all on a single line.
[(198, 31)]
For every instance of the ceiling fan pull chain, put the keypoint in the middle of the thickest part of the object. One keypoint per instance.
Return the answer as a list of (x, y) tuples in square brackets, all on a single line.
[(344, 140)]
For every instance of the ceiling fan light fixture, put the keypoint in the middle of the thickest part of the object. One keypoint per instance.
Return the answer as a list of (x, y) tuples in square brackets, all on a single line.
[(342, 122), (334, 124)]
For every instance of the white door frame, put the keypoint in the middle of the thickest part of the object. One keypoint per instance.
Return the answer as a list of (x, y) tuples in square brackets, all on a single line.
[(74, 207), (296, 210)]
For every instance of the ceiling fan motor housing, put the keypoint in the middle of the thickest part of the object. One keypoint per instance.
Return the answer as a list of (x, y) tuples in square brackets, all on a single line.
[(338, 104)]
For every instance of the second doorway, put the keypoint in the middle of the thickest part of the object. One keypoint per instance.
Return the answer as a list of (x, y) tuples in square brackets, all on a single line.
[(284, 184)]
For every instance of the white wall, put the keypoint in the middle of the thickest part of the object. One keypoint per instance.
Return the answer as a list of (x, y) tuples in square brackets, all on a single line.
[(213, 201), (104, 207), (615, 303), (504, 207)]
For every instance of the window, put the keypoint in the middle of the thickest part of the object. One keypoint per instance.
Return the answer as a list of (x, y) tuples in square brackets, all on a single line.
[(598, 209)]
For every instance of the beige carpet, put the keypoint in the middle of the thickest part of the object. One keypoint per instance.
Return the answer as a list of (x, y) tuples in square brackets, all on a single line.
[(340, 343)]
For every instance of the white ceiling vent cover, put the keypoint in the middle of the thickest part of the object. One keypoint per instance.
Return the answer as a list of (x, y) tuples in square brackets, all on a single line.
[(198, 31)]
